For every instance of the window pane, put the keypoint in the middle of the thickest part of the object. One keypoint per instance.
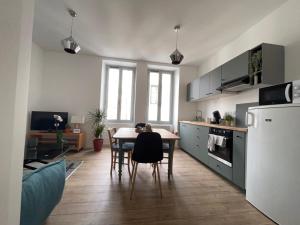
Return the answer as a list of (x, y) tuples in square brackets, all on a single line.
[(112, 93), (165, 97), (126, 96), (153, 96)]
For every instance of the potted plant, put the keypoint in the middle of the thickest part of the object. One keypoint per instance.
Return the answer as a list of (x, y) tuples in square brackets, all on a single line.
[(228, 119), (96, 119)]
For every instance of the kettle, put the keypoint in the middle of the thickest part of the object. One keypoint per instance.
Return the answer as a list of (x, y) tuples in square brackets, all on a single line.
[(217, 117)]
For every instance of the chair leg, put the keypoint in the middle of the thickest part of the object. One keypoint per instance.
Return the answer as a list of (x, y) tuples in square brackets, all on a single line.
[(131, 158), (133, 179), (111, 162), (158, 175), (154, 172), (115, 160), (128, 163)]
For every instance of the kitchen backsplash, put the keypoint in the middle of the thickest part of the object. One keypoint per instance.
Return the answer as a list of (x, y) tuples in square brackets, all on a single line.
[(226, 103)]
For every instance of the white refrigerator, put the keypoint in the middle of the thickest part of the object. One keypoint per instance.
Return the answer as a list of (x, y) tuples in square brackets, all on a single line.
[(273, 162)]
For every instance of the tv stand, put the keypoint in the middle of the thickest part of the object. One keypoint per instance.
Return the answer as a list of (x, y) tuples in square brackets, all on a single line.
[(78, 140)]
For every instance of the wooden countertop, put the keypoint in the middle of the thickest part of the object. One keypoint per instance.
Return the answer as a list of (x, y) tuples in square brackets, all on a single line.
[(198, 123)]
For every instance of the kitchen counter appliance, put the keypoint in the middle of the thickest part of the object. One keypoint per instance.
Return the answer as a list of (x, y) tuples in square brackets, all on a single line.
[(222, 154), (217, 117), (280, 94)]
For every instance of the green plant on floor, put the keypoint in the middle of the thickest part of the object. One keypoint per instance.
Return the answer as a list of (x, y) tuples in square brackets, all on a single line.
[(96, 119), (98, 130)]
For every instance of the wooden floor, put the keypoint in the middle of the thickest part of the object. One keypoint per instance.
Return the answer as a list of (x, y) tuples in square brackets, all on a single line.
[(195, 195)]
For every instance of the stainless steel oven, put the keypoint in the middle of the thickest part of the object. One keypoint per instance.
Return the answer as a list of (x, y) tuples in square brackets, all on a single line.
[(222, 153)]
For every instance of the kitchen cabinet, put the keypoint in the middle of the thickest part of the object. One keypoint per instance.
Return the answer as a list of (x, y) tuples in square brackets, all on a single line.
[(239, 158), (185, 136), (204, 86), (262, 65), (210, 82), (193, 139), (266, 65), (220, 168), (194, 92), (201, 144), (215, 80), (235, 68)]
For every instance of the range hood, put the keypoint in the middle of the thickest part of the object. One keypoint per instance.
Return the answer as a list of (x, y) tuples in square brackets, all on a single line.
[(235, 85)]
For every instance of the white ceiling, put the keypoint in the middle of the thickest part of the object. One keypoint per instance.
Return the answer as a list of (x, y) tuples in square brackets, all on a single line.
[(143, 29)]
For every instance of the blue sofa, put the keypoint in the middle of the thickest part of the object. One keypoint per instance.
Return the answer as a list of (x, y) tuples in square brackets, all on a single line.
[(42, 190)]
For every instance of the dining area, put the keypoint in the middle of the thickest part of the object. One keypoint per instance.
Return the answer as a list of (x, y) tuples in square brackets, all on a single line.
[(141, 144)]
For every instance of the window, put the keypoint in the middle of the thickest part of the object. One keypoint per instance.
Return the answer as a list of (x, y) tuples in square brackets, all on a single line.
[(119, 93), (160, 99)]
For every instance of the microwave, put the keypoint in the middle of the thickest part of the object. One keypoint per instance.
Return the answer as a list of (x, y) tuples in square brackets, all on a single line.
[(286, 93)]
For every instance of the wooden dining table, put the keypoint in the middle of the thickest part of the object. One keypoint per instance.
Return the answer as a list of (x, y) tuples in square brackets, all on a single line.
[(129, 135)]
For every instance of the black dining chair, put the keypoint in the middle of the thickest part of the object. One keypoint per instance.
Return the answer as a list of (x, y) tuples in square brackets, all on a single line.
[(147, 149)]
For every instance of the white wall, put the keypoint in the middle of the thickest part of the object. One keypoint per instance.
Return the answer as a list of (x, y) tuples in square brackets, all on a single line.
[(16, 21), (280, 27), (36, 75), (227, 103), (72, 83)]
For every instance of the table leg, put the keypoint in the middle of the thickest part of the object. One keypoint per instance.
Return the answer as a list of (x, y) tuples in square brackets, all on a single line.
[(170, 160), (121, 158)]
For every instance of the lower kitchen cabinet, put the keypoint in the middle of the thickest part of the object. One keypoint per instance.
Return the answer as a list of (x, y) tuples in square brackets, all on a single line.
[(193, 139), (185, 136), (220, 168), (239, 158), (201, 143)]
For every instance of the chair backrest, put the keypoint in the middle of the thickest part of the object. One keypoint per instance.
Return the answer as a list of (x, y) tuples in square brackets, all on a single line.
[(148, 148), (142, 125), (111, 132)]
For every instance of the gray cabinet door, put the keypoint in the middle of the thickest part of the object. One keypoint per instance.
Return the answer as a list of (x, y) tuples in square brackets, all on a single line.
[(188, 92), (238, 158), (205, 86), (202, 139), (184, 132), (194, 89), (220, 168), (215, 80), (236, 67)]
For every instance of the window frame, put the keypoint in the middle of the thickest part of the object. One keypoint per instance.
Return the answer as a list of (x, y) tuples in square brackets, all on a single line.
[(121, 68), (160, 72)]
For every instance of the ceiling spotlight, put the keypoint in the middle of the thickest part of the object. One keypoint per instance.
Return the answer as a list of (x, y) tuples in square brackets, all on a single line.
[(176, 56), (69, 44)]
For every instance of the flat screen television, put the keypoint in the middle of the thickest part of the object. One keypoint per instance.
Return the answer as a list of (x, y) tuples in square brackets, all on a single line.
[(44, 121)]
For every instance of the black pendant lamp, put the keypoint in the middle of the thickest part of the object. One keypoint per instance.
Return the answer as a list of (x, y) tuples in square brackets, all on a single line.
[(69, 44), (176, 56)]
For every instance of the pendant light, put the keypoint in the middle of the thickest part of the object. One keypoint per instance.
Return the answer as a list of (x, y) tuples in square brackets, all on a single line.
[(69, 44), (176, 56)]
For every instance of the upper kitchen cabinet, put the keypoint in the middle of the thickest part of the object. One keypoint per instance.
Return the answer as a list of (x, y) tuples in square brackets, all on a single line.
[(257, 67), (193, 90), (215, 80), (210, 82), (204, 86), (266, 65), (235, 68)]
